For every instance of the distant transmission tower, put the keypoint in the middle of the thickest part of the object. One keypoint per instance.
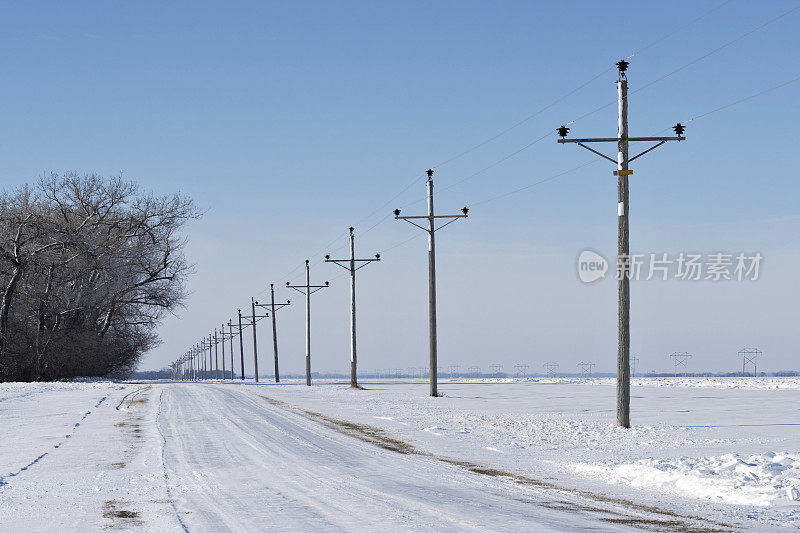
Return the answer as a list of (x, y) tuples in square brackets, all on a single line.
[(521, 369), (454, 370), (551, 367), (634, 360), (680, 359), (586, 369), (474, 370), (496, 368), (750, 357)]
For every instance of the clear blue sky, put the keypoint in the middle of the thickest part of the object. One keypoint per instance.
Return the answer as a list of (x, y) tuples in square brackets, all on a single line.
[(290, 121)]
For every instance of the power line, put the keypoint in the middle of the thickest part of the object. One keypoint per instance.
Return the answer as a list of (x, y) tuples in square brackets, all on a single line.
[(741, 100), (563, 97), (719, 48), (578, 88), (519, 123), (687, 65), (690, 23)]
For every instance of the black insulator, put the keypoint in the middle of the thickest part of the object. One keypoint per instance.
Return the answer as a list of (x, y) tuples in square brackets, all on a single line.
[(397, 212), (622, 65), (679, 128), (563, 131)]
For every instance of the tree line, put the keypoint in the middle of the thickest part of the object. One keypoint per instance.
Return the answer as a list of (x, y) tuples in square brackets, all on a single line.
[(89, 266)]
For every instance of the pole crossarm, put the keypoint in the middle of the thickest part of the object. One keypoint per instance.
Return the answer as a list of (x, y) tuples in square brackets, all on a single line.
[(452, 218), (256, 316), (617, 139), (277, 306), (660, 140), (340, 262), (299, 288)]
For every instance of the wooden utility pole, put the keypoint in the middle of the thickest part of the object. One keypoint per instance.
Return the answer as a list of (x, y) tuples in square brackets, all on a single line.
[(274, 307), (308, 289), (350, 266), (254, 318), (210, 360), (241, 344), (216, 355), (623, 237), (222, 341), (255, 343), (230, 336), (430, 228)]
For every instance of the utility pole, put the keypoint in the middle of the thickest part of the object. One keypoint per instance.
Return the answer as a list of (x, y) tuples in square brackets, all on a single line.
[(230, 336), (253, 320), (431, 229), (241, 344), (222, 341), (623, 246), (210, 360), (350, 265), (750, 356), (274, 307), (308, 289), (216, 356), (201, 361)]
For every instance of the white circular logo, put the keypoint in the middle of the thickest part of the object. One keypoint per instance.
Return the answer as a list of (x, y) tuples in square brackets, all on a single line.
[(591, 266)]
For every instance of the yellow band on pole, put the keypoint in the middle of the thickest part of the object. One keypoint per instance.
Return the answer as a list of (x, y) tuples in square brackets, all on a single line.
[(623, 172)]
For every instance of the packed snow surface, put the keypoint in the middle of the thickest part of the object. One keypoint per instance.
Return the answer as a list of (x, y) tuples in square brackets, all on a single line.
[(714, 454)]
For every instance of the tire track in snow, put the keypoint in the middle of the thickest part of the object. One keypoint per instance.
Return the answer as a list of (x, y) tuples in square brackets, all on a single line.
[(134, 393), (56, 446), (635, 515), (164, 464)]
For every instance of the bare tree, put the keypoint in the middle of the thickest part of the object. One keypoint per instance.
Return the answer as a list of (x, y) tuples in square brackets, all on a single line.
[(90, 266)]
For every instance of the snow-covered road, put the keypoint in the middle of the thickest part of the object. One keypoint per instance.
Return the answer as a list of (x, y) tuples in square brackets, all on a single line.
[(243, 462), (217, 457)]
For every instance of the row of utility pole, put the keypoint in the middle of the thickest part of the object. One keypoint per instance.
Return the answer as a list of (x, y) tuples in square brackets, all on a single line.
[(431, 223), (192, 365)]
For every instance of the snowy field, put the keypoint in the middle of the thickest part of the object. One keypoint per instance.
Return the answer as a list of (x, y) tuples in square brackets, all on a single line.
[(705, 454)]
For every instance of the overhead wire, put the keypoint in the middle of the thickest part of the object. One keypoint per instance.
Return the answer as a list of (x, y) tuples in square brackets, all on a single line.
[(533, 115), (592, 161), (526, 119), (552, 104)]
